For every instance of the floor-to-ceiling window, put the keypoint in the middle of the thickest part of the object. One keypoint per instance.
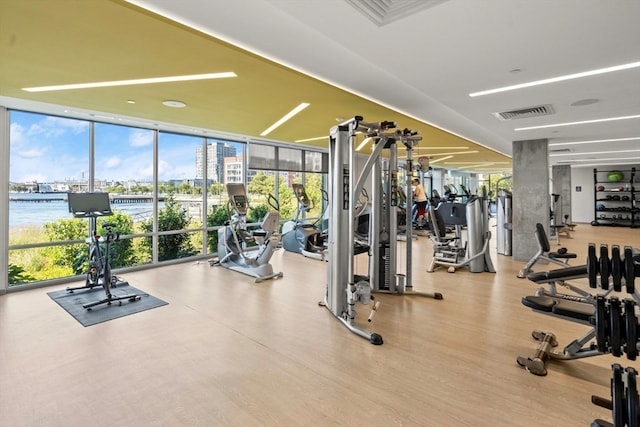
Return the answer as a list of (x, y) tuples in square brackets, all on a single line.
[(181, 190), (225, 164), (273, 170), (49, 156), (123, 167)]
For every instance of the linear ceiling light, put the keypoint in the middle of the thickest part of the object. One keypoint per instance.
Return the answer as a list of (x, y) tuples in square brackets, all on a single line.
[(132, 82), (594, 152), (478, 165), (595, 140), (435, 148), (467, 163), (608, 119), (317, 138), (598, 160), (440, 159), (285, 118), (598, 164), (363, 143), (441, 148), (452, 153), (558, 79)]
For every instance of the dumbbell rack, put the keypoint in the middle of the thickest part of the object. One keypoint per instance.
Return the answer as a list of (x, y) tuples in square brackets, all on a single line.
[(624, 400), (614, 321), (616, 326)]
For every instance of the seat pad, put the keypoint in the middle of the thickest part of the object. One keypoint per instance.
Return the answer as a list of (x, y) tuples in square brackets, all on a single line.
[(568, 273)]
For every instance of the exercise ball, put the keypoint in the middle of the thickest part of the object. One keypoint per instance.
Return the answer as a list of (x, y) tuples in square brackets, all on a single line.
[(615, 176)]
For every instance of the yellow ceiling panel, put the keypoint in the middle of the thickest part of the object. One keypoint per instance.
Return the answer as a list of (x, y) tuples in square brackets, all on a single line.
[(47, 42)]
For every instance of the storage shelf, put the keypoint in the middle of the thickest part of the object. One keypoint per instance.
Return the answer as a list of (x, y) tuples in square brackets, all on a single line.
[(625, 208)]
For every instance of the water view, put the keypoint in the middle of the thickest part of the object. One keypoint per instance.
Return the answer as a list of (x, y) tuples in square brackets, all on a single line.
[(35, 209)]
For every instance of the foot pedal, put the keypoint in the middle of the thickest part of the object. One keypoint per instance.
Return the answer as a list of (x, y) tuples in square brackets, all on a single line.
[(537, 364)]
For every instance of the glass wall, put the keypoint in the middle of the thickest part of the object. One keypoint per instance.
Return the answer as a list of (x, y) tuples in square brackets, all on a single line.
[(167, 191)]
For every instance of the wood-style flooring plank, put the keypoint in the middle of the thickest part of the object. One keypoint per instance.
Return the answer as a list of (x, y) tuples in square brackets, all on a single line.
[(227, 351)]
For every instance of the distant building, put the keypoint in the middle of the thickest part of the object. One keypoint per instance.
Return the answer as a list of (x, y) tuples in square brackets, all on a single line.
[(216, 154), (233, 170)]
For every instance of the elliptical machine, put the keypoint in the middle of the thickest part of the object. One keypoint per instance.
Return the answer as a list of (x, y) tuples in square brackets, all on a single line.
[(301, 237), (234, 238)]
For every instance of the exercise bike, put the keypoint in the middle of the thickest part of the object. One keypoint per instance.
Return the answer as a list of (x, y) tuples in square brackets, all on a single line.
[(300, 237), (234, 240), (92, 206)]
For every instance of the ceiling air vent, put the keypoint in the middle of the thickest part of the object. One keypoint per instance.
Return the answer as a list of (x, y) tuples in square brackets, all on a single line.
[(383, 12), (525, 113)]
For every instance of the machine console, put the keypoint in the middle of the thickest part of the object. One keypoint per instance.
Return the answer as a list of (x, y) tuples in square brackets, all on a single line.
[(240, 204), (238, 197), (301, 195)]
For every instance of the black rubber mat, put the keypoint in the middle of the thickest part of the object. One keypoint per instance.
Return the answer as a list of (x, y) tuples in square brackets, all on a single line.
[(73, 303)]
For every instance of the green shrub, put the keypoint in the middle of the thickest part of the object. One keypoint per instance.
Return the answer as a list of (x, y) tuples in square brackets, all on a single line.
[(17, 275), (170, 246)]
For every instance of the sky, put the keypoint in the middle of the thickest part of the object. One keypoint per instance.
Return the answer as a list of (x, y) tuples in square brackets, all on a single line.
[(47, 149)]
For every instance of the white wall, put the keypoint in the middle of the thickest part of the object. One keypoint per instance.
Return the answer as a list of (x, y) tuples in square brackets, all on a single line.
[(583, 202)]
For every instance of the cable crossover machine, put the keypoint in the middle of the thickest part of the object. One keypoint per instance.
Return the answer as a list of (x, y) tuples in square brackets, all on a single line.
[(344, 287)]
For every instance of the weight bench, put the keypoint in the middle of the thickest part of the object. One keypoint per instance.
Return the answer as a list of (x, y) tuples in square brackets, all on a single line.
[(613, 323), (558, 278), (561, 229), (560, 257), (575, 311)]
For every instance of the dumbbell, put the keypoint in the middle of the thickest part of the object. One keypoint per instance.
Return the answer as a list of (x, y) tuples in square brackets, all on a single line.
[(604, 266), (631, 329), (615, 326)]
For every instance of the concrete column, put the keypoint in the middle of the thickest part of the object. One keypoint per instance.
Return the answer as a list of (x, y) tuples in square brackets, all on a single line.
[(531, 199), (561, 177)]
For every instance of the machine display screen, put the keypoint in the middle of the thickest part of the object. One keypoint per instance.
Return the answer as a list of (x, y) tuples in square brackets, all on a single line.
[(240, 201)]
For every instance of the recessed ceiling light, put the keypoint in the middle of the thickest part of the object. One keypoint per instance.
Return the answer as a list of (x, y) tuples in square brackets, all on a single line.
[(130, 101), (174, 104)]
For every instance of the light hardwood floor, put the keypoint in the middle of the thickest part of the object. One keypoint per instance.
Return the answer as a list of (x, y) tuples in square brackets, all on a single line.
[(229, 352)]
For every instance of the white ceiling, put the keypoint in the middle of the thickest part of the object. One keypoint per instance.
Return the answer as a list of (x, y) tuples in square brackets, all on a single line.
[(426, 64)]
